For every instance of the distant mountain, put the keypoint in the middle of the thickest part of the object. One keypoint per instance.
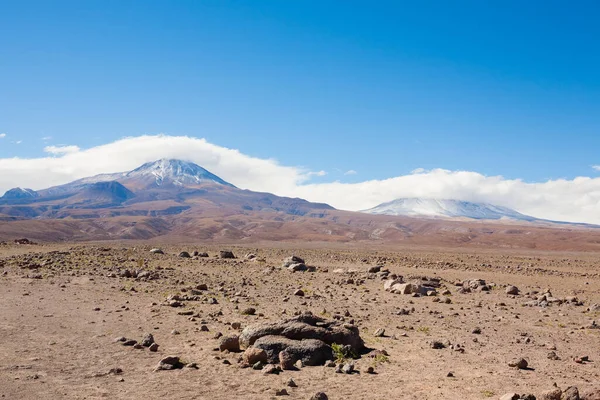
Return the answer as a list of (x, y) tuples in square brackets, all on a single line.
[(170, 172), (447, 208), (163, 187), (18, 194)]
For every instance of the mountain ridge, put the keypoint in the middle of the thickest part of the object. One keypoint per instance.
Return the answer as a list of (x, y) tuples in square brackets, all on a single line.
[(447, 208)]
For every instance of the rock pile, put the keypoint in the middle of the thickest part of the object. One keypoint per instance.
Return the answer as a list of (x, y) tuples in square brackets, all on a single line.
[(304, 338)]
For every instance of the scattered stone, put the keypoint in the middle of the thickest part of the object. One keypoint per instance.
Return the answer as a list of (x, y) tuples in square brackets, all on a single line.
[(147, 340), (230, 343), (287, 262), (552, 394), (157, 251), (348, 368), (510, 396), (553, 356), (258, 365), (476, 331), (379, 332), (436, 344), (249, 311), (184, 254), (520, 363), (168, 363), (319, 396), (270, 369), (299, 292), (291, 383), (226, 254), (281, 392), (370, 370), (512, 290), (253, 355), (374, 269), (203, 254), (298, 267), (153, 347), (129, 342)]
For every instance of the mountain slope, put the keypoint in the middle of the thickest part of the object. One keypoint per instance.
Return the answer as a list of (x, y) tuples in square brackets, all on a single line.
[(446, 208), (167, 172), (160, 188)]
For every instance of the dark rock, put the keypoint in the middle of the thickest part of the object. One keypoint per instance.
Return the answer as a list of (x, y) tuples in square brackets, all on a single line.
[(374, 269), (310, 351), (519, 363), (168, 363), (226, 254), (306, 326), (184, 254), (147, 340)]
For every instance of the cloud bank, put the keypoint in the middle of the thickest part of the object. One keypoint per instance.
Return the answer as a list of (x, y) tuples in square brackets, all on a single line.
[(576, 200)]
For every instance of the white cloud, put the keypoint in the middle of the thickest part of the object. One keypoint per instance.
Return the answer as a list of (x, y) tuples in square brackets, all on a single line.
[(18, 142), (2, 135), (46, 138), (596, 167), (569, 200), (60, 150), (350, 172), (317, 173)]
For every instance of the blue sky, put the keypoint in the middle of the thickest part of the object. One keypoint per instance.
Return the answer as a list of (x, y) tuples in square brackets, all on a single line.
[(506, 88)]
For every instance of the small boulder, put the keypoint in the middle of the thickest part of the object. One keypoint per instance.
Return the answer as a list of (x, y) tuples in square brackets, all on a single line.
[(512, 290), (157, 251), (286, 361), (292, 260), (374, 269), (252, 355), (510, 396), (147, 340), (299, 267), (184, 254), (168, 363), (520, 363), (319, 396), (552, 394), (226, 254), (230, 343)]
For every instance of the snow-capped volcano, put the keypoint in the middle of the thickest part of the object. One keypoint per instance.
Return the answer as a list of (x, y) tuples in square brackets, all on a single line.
[(446, 208), (175, 172)]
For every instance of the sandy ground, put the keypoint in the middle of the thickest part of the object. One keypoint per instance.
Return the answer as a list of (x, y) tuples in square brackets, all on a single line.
[(62, 308)]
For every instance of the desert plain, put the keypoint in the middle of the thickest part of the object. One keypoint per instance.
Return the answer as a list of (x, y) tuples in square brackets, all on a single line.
[(73, 317)]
